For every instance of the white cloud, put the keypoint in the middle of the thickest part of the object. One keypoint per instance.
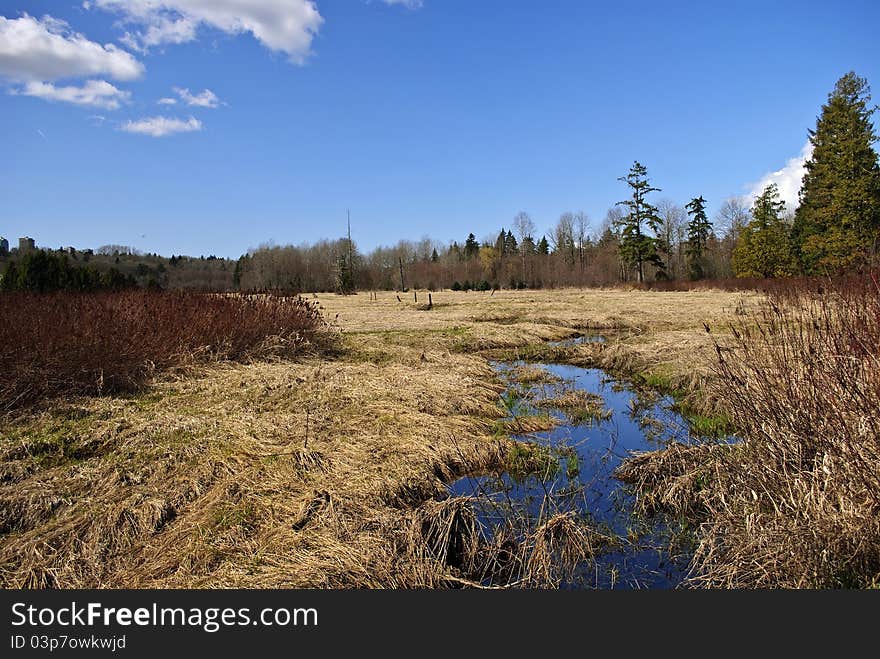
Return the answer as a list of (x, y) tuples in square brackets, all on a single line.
[(161, 126), (162, 30), (46, 49), (167, 101), (94, 93), (788, 179), (207, 99), (286, 26)]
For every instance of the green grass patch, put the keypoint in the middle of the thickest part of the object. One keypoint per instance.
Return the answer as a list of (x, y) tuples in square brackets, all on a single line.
[(527, 459), (231, 516)]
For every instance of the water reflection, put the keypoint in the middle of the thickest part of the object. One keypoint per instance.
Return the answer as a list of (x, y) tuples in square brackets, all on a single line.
[(577, 340), (644, 553)]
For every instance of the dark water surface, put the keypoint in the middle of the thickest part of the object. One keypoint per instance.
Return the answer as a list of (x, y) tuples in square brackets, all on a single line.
[(638, 422)]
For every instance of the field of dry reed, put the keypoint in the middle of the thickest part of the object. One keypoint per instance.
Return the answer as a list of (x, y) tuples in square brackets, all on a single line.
[(327, 468)]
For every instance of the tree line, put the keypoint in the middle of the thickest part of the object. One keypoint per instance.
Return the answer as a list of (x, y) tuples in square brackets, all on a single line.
[(41, 271), (835, 228), (112, 266)]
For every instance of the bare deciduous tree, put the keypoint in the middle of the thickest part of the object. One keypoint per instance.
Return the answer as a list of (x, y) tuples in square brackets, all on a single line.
[(581, 236), (673, 235), (562, 237), (525, 227)]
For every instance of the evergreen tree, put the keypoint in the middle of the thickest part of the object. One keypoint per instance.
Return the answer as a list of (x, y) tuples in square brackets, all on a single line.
[(434, 256), (42, 272), (471, 247), (510, 245), (346, 259), (236, 275), (636, 246), (699, 230), (506, 244), (837, 225), (543, 246), (344, 274), (764, 247), (500, 243), (9, 281)]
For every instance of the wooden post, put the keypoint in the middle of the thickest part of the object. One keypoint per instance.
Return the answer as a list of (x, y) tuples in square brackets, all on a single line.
[(430, 302), (415, 297)]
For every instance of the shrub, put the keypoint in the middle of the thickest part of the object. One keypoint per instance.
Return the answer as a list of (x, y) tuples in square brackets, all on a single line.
[(91, 343)]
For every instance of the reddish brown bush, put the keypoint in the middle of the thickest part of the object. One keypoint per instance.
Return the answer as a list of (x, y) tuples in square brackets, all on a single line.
[(781, 287), (91, 343)]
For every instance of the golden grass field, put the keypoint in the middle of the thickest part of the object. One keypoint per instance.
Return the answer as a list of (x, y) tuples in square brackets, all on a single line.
[(313, 473)]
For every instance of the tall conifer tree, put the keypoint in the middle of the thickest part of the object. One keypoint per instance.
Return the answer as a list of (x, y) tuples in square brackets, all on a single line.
[(837, 225), (699, 229), (764, 248), (638, 247)]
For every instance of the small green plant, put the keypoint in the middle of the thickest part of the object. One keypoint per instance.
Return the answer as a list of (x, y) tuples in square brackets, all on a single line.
[(527, 459), (230, 516), (713, 427), (572, 464), (511, 401)]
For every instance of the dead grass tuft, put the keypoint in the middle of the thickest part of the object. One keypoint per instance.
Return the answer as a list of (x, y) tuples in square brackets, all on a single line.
[(579, 406), (675, 479)]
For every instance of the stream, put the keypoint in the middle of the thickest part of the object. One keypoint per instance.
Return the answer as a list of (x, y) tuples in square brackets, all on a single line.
[(646, 553)]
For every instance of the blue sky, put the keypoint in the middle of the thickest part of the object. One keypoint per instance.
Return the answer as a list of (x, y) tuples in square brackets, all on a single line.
[(434, 118)]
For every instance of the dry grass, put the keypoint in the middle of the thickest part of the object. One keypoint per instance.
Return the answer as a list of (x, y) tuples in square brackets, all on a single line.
[(657, 335), (529, 374), (797, 503), (262, 475), (321, 473), (675, 479), (545, 314), (579, 405), (804, 388)]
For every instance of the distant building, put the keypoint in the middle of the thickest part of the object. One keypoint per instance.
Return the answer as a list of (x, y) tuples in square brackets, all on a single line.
[(26, 245), (4, 246)]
